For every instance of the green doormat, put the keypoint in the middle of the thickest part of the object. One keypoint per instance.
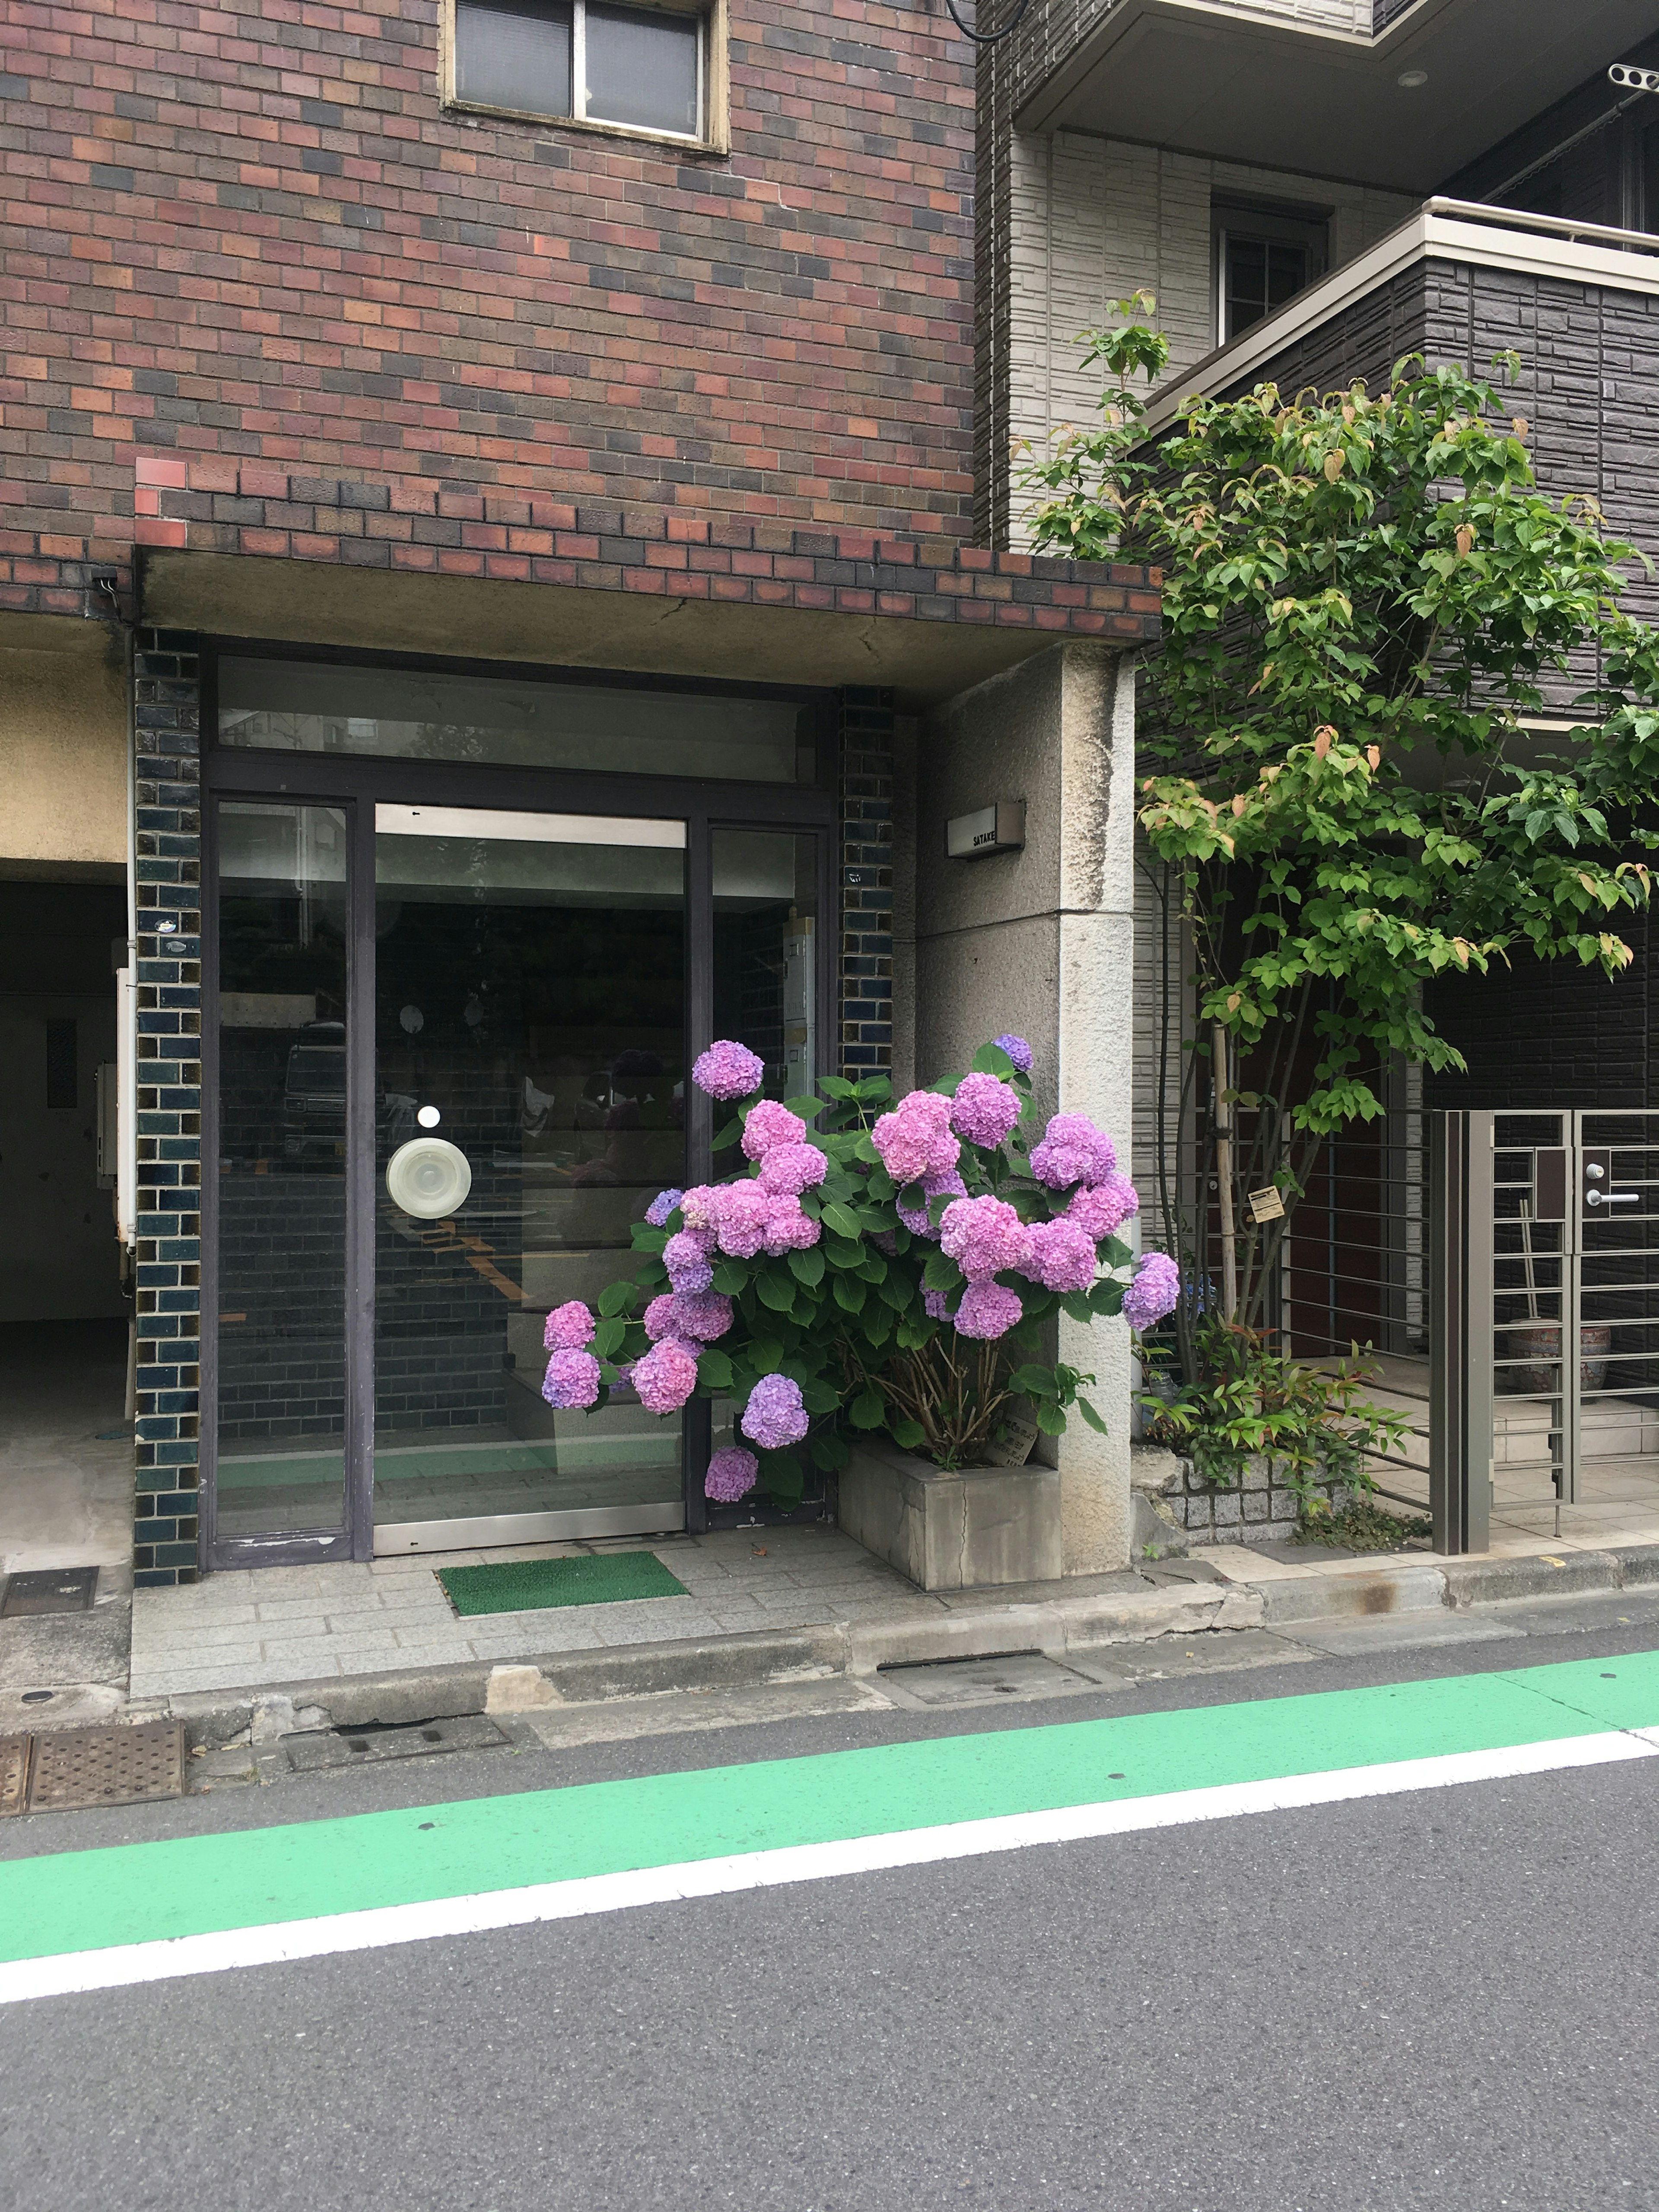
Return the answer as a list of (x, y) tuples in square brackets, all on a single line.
[(524, 1585)]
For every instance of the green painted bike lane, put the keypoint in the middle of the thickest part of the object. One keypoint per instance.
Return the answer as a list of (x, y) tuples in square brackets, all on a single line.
[(197, 1885)]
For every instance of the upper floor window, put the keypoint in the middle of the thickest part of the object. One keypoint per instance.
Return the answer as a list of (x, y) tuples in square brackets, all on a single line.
[(622, 69), (1263, 257)]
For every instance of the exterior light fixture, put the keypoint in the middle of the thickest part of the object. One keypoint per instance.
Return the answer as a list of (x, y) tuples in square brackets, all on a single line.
[(1411, 78), (1637, 80)]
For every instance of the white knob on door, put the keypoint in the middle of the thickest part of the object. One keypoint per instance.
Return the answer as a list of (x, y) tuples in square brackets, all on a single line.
[(428, 1177)]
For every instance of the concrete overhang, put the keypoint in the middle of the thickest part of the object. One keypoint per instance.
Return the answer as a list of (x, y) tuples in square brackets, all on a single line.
[(487, 619), (1239, 86)]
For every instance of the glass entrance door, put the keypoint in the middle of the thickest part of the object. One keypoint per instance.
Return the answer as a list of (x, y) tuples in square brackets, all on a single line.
[(529, 1101)]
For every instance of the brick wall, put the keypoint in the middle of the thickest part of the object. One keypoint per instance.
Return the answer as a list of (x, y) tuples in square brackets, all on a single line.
[(256, 234)]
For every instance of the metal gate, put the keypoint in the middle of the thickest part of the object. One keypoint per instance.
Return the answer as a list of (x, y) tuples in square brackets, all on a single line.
[(1544, 1345)]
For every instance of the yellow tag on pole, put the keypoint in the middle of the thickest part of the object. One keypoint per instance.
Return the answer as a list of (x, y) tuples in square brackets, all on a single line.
[(1266, 1205)]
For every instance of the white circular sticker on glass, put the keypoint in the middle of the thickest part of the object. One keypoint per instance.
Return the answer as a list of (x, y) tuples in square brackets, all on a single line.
[(429, 1117), (428, 1177)]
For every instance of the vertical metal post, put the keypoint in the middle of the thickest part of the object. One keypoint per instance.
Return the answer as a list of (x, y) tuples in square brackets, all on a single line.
[(1461, 1349), (360, 1171)]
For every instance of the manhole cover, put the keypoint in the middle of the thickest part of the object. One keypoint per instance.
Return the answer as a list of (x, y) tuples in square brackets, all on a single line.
[(14, 1772), (979, 1681), (74, 1768), (49, 1589)]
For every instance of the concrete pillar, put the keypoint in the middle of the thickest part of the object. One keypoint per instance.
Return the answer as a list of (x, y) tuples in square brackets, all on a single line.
[(1041, 942)]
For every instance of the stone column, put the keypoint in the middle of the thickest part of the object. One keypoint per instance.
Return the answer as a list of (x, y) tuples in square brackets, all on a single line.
[(1041, 942)]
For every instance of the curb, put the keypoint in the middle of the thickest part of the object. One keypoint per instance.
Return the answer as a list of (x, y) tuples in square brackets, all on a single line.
[(1410, 1586)]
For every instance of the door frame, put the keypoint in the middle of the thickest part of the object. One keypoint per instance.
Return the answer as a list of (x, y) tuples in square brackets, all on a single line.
[(357, 783)]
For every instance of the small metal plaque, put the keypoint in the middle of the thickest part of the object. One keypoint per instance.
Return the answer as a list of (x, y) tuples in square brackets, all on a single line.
[(49, 1589), (14, 1772), (1267, 1204), (75, 1768)]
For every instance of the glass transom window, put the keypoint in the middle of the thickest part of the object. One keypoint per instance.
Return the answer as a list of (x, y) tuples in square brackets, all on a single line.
[(634, 69)]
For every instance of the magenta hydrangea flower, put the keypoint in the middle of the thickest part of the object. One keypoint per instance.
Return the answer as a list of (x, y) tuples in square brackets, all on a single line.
[(788, 1229), (770, 1124), (984, 1111), (1154, 1291), (936, 1305), (740, 1218), (984, 1236), (1072, 1149), (728, 1071), (988, 1310), (914, 1140), (572, 1381), (1062, 1255), (661, 1207), (568, 1327), (916, 1219), (1104, 1207), (1017, 1050), (731, 1474), (775, 1415), (666, 1377), (685, 1255), (788, 1170)]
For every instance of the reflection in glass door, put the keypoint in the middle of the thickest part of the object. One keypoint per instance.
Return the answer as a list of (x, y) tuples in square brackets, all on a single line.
[(530, 1102)]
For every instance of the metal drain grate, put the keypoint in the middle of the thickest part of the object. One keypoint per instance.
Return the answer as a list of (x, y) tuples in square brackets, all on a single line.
[(75, 1768), (14, 1772), (49, 1589)]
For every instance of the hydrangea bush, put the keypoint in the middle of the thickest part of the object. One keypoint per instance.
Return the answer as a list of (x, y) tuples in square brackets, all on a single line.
[(872, 1265)]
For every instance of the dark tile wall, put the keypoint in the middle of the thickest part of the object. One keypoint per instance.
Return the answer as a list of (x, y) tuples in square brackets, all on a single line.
[(167, 778)]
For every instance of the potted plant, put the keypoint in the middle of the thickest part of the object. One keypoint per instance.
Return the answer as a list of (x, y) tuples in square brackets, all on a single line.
[(872, 1289)]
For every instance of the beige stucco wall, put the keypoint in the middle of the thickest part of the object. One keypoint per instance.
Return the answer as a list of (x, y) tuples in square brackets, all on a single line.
[(63, 745), (1042, 942)]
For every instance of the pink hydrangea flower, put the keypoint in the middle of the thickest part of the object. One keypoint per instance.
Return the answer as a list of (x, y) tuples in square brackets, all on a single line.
[(568, 1327), (936, 1305), (700, 1205), (770, 1124), (1072, 1149), (988, 1310), (775, 1415), (702, 1316), (788, 1170), (1017, 1050), (984, 1236), (728, 1070), (572, 1381), (787, 1229), (661, 1207), (686, 1258), (984, 1111), (917, 1218), (731, 1474), (1104, 1207), (666, 1377), (914, 1140), (740, 1218), (1154, 1291), (1062, 1255), (659, 1318)]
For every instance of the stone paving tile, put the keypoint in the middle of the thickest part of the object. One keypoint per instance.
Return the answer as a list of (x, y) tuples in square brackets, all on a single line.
[(643, 1631)]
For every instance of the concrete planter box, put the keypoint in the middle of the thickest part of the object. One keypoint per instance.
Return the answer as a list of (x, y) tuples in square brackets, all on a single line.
[(969, 1530)]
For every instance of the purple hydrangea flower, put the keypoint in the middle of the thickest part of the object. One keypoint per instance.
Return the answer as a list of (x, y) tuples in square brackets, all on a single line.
[(686, 1258), (572, 1381), (728, 1071), (770, 1124), (775, 1415), (788, 1170), (914, 1140), (740, 1218), (1072, 1149), (1154, 1291), (1017, 1050), (988, 1310), (1104, 1207), (666, 1377), (661, 1207), (936, 1305), (916, 1219), (660, 1319), (731, 1474), (570, 1328), (1062, 1255), (984, 1110), (984, 1236), (699, 1316)]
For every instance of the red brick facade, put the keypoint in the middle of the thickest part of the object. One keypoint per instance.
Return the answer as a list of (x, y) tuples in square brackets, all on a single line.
[(249, 236)]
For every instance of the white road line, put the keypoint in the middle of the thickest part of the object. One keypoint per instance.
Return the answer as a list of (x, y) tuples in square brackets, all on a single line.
[(372, 1930)]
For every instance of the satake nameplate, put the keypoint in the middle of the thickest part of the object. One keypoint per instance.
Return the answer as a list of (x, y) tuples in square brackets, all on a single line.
[(1266, 1205)]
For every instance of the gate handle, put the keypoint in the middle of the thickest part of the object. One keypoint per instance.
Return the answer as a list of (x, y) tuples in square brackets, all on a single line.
[(1612, 1197)]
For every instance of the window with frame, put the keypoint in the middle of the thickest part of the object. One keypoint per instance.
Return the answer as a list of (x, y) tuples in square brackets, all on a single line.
[(1263, 257), (628, 69)]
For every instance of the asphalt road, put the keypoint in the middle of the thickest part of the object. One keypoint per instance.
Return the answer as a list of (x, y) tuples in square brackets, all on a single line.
[(1443, 1999)]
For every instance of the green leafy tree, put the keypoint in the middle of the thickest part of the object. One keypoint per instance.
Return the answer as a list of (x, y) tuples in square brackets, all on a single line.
[(1366, 599)]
